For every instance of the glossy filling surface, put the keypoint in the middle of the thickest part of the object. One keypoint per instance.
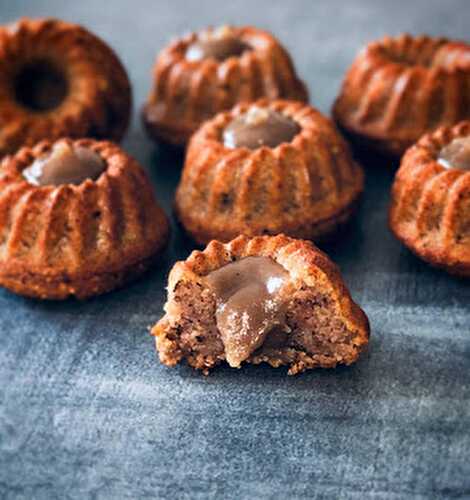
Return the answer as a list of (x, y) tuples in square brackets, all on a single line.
[(65, 164), (40, 86), (219, 44), (456, 154), (259, 127), (251, 303)]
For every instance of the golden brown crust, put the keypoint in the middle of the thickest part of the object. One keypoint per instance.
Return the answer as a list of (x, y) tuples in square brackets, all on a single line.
[(305, 188), (60, 287), (186, 93), (307, 266), (399, 88), (430, 206), (78, 240), (98, 101)]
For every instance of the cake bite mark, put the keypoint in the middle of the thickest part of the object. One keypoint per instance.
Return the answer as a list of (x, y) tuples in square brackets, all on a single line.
[(259, 127), (456, 154), (225, 306), (250, 304), (218, 44), (65, 164)]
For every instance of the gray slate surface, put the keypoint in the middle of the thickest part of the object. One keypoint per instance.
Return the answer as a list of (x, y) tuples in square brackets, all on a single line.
[(86, 411)]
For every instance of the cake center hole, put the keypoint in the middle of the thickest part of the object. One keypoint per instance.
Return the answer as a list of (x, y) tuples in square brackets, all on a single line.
[(40, 86), (251, 303), (259, 127), (65, 164), (456, 154), (219, 44)]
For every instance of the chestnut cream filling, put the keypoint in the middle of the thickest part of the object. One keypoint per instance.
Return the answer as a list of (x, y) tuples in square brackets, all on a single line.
[(456, 154), (251, 297), (259, 127), (65, 164), (218, 44)]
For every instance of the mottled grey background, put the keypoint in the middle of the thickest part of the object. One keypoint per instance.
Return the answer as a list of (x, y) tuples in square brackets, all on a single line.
[(86, 410)]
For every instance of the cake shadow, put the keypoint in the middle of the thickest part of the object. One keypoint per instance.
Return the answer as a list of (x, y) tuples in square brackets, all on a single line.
[(393, 365)]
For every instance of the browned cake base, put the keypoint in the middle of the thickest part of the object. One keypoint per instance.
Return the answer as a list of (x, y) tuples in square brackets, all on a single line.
[(81, 286), (389, 147), (318, 231), (176, 134), (325, 327)]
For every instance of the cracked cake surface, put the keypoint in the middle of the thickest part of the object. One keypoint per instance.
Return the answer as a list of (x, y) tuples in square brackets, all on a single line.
[(278, 300)]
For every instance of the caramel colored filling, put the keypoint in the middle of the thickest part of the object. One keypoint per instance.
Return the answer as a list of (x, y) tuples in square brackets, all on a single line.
[(65, 164), (219, 44), (259, 127), (456, 154), (40, 86), (250, 305)]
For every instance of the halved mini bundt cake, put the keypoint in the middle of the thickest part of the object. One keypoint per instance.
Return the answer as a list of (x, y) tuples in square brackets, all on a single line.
[(268, 299), (430, 209), (267, 168), (201, 74), (58, 80), (399, 88), (77, 218)]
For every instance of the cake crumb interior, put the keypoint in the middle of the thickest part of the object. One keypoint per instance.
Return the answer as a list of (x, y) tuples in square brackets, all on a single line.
[(307, 332)]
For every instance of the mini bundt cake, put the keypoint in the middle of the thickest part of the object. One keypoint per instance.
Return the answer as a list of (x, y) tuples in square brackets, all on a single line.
[(57, 79), (267, 299), (77, 218), (399, 88), (430, 209), (204, 73), (267, 168)]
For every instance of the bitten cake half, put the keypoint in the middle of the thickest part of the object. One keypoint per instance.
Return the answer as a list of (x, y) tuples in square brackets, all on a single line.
[(270, 299)]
